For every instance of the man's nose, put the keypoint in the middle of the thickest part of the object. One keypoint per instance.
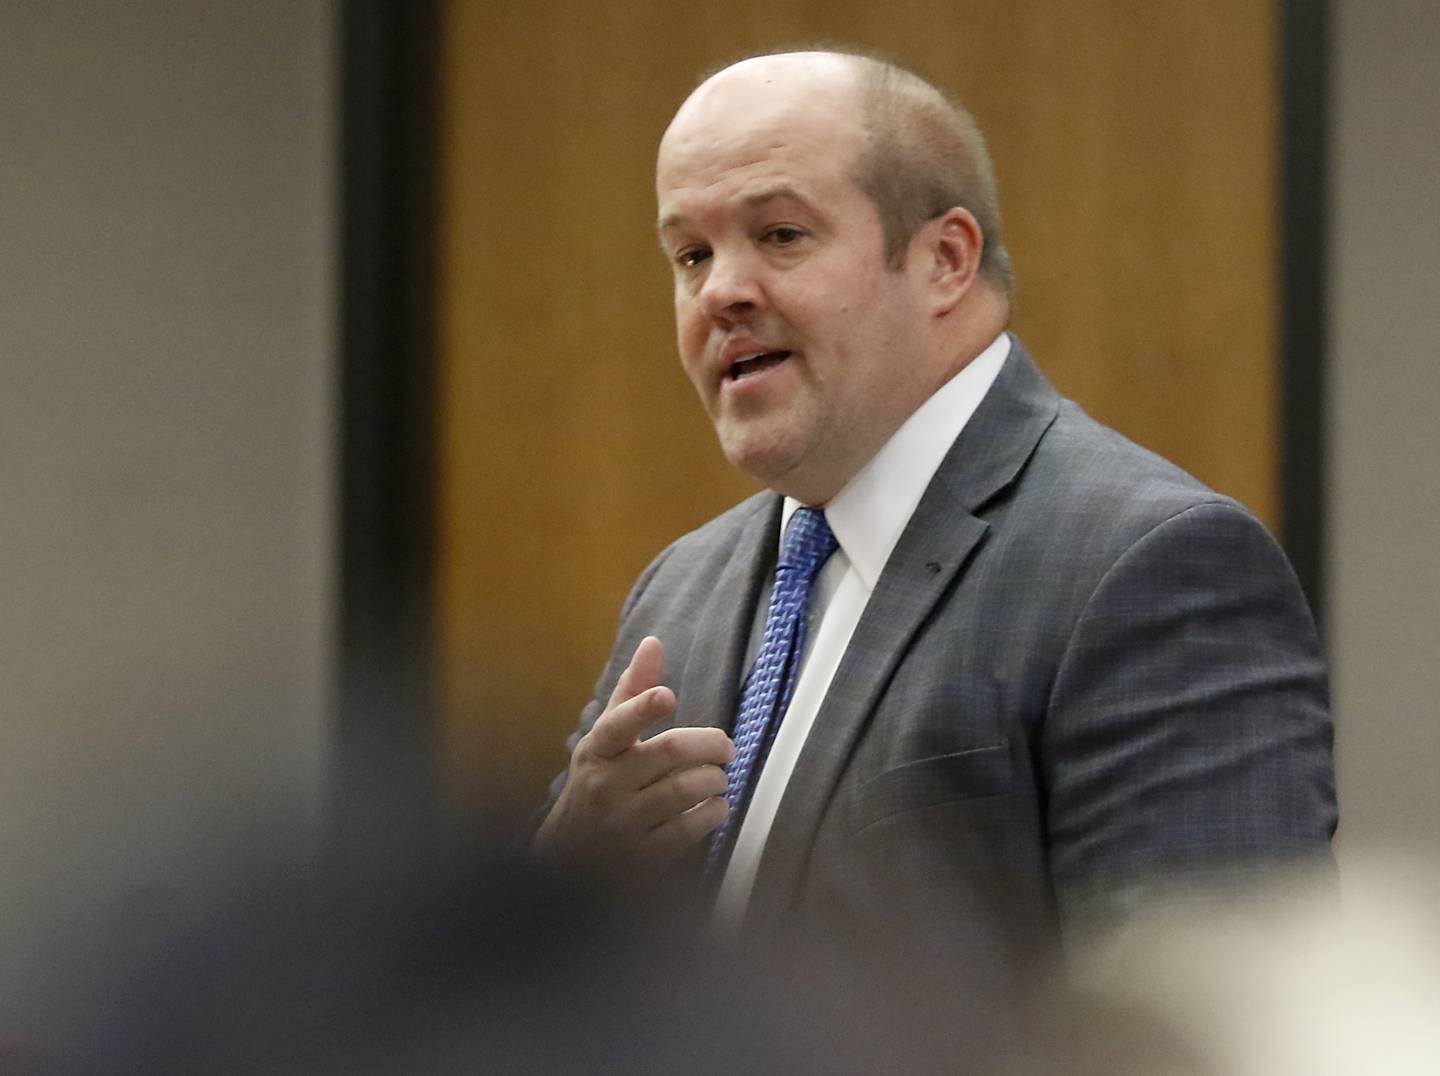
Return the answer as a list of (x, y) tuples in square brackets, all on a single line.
[(731, 289)]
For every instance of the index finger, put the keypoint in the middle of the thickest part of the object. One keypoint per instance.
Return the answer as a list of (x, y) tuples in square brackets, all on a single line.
[(642, 673), (630, 709)]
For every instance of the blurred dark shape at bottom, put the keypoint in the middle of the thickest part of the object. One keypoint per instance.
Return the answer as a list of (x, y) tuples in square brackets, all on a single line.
[(437, 956), (414, 954)]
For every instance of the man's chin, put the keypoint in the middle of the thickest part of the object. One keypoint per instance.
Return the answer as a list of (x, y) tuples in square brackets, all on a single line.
[(767, 460)]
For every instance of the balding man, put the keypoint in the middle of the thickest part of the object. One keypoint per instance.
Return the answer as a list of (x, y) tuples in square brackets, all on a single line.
[(973, 658)]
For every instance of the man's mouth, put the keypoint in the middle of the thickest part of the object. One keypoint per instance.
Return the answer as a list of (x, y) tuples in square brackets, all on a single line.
[(754, 364)]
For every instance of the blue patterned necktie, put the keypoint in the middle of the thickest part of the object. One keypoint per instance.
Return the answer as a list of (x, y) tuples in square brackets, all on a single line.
[(808, 544)]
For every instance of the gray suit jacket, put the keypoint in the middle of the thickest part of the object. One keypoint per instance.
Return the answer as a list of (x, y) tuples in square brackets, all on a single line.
[(1080, 673)]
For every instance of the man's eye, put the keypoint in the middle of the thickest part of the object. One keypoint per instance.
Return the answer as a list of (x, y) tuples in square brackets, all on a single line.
[(690, 257), (784, 235)]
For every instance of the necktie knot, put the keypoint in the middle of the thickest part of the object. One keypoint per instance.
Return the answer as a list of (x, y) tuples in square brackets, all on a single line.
[(808, 542)]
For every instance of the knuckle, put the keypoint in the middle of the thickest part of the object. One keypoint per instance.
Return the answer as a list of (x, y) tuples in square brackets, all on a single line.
[(657, 702), (595, 742), (586, 786), (671, 746), (693, 742), (588, 754), (579, 766), (692, 786), (717, 746)]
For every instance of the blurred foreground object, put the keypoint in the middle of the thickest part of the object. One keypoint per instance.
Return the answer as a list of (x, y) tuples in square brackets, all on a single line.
[(422, 956), (1290, 979)]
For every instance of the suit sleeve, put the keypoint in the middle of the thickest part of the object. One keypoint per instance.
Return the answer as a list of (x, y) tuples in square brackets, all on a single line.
[(1187, 737)]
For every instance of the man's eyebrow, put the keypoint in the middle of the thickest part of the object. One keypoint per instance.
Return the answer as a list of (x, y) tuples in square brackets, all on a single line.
[(751, 200), (771, 194)]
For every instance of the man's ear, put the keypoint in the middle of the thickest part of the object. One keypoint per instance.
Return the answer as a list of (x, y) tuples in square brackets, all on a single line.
[(953, 248)]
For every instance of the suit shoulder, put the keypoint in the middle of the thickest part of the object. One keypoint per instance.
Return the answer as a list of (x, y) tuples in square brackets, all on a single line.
[(720, 533), (1088, 467), (699, 555), (729, 523)]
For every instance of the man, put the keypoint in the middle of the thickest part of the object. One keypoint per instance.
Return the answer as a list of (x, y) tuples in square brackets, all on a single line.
[(1042, 669)]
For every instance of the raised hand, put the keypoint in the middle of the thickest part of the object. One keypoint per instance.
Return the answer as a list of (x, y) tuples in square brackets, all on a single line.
[(632, 805)]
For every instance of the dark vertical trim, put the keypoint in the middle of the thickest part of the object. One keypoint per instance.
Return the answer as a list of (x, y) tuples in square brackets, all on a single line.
[(1305, 68), (385, 766)]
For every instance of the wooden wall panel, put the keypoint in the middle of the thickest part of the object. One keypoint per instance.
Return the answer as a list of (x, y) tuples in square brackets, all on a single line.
[(1135, 142)]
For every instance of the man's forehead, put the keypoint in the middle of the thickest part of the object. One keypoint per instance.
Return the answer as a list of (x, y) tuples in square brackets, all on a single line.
[(759, 108), (762, 94)]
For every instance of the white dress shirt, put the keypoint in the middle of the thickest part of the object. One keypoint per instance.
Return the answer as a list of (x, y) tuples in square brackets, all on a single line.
[(867, 518)]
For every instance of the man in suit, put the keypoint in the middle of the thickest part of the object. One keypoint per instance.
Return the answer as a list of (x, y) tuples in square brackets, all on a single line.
[(1045, 671)]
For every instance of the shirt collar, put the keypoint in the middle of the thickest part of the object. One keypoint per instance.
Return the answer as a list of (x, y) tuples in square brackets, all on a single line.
[(869, 514)]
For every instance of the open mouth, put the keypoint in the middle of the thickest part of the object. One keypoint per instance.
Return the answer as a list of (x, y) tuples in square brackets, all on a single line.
[(742, 368)]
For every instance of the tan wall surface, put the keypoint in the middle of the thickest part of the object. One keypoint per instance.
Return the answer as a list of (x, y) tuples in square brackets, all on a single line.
[(165, 431), (1384, 550), (1135, 143)]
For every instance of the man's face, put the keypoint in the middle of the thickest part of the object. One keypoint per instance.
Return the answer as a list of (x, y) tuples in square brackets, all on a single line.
[(795, 333)]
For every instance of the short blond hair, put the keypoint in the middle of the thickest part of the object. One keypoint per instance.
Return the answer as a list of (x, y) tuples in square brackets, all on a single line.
[(923, 154)]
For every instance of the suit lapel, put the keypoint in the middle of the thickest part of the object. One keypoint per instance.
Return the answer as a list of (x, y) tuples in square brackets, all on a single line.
[(709, 691), (935, 545)]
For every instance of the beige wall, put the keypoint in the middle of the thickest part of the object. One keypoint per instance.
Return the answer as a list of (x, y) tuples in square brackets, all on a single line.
[(1384, 632), (165, 446)]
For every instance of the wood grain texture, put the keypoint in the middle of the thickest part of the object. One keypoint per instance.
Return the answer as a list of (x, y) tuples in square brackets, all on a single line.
[(1136, 146)]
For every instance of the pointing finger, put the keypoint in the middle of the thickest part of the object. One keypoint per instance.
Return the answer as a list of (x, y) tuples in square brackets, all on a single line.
[(643, 672), (637, 702)]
